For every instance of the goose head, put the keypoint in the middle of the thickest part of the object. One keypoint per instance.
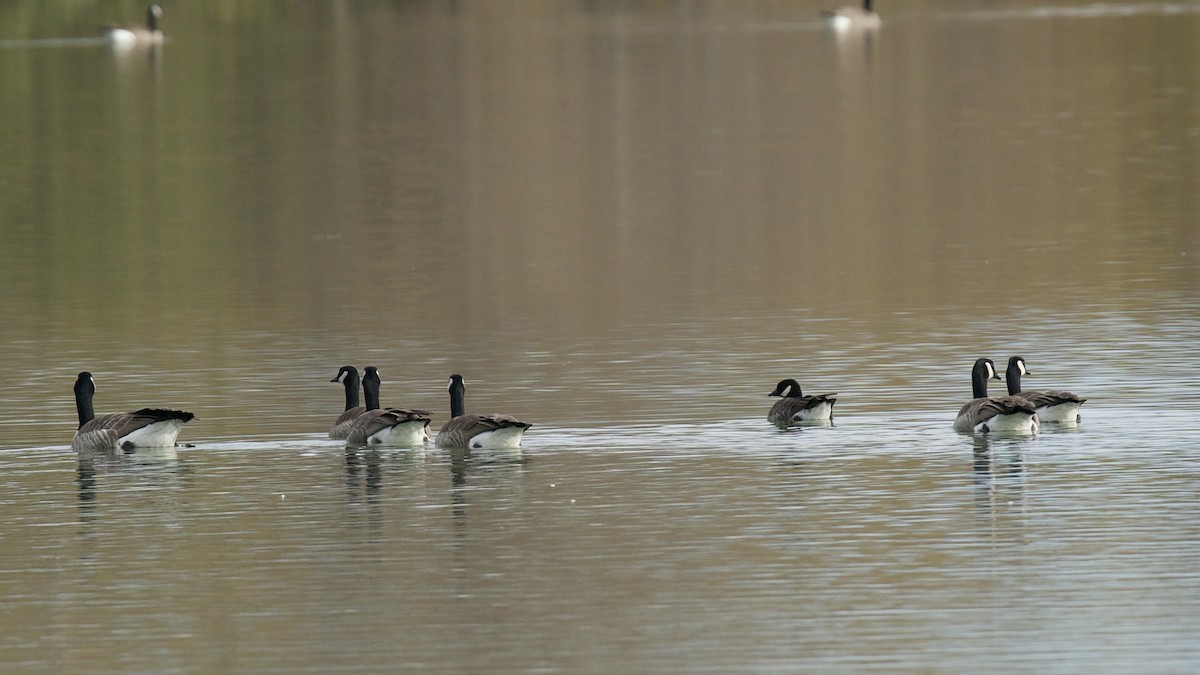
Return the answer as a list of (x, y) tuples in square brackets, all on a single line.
[(788, 388), (983, 371)]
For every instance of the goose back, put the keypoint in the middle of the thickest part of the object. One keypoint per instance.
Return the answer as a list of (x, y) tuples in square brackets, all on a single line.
[(130, 36), (794, 407), (477, 431), (386, 426), (144, 428), (984, 414), (390, 426), (852, 17), (1052, 405)]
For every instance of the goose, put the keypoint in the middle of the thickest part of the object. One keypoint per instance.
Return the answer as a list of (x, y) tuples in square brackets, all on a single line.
[(145, 428), (1052, 406), (341, 426), (386, 426), (852, 17), (477, 431), (982, 413), (794, 407), (127, 37)]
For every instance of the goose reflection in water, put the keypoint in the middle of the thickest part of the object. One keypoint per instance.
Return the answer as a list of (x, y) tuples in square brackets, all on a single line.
[(998, 466), (467, 466), (364, 487), (161, 465)]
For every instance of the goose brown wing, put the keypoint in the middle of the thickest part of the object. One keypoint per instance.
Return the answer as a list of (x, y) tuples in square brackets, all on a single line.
[(124, 424), (786, 408), (1041, 399), (1007, 405), (372, 422), (493, 421), (458, 431), (342, 425)]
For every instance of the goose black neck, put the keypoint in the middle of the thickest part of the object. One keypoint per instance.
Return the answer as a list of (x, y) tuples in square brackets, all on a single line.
[(370, 384), (1013, 376), (152, 17), (458, 396), (351, 382), (979, 378), (786, 388), (85, 388), (867, 5)]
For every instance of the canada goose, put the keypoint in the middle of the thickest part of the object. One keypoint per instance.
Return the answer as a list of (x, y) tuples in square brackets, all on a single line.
[(145, 428), (127, 37), (982, 413), (794, 407), (341, 426), (477, 431), (852, 17), (1052, 406), (387, 426)]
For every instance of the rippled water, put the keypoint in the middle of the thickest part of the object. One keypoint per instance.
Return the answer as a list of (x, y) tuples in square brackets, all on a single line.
[(624, 225), (655, 547)]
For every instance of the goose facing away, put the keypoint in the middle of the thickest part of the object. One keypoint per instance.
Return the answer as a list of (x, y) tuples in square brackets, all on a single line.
[(386, 426), (341, 426), (477, 431), (127, 37), (984, 414), (794, 407), (145, 428), (852, 17), (1052, 406)]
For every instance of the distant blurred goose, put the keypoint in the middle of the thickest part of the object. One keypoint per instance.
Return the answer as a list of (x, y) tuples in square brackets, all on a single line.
[(794, 407), (477, 431), (852, 17), (984, 414), (1052, 406), (351, 381), (387, 426), (145, 428), (136, 36)]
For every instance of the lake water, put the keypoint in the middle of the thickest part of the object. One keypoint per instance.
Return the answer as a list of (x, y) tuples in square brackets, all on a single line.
[(624, 223)]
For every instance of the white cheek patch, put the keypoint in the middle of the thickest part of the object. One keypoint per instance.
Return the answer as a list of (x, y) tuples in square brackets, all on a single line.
[(991, 370), (1021, 365)]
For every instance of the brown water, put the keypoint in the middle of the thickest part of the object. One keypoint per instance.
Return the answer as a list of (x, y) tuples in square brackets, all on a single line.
[(624, 224)]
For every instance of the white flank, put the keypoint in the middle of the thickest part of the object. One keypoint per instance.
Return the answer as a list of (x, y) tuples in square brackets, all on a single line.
[(121, 38), (403, 434), (1063, 413), (508, 437), (1018, 423), (158, 435), (839, 22), (817, 413)]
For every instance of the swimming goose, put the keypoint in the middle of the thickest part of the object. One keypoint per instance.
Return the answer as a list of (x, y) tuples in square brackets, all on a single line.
[(794, 407), (477, 431), (1052, 406), (387, 426), (341, 426), (852, 17), (1010, 413), (145, 428), (127, 37)]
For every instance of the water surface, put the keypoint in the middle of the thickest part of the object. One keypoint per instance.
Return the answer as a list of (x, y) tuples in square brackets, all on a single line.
[(624, 224)]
